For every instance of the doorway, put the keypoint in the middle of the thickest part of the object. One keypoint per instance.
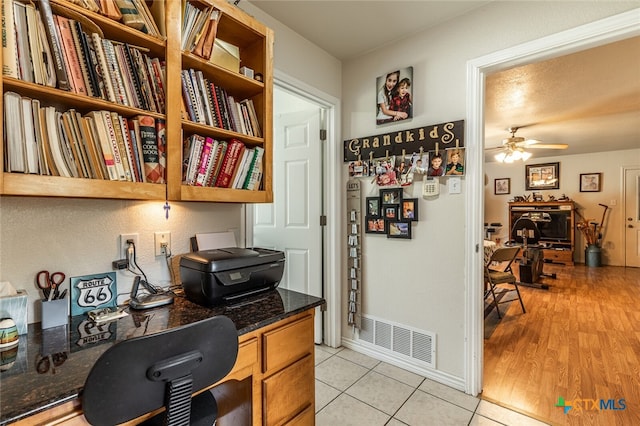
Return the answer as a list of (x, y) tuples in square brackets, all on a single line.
[(632, 216), (305, 189), (590, 35)]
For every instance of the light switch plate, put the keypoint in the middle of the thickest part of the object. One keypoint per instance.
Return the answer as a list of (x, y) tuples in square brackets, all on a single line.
[(455, 185)]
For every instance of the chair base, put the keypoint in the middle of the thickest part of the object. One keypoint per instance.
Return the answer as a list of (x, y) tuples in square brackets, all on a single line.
[(204, 412)]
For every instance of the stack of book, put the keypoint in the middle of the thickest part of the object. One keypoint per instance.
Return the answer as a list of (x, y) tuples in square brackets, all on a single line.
[(208, 103), (133, 13), (199, 28), (56, 51), (222, 164), (99, 145)]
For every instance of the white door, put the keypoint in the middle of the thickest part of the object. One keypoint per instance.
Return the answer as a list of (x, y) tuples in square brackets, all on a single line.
[(632, 217), (292, 222)]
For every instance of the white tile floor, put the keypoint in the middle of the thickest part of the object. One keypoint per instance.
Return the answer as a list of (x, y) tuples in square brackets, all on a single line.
[(355, 389)]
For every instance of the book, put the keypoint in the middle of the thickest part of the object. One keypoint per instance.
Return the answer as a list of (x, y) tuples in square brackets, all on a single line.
[(125, 152), (15, 156), (212, 162), (196, 143), (204, 162), (99, 130), (134, 131), (251, 165), (150, 152), (199, 106), (70, 55), (156, 73), (9, 57), (96, 70), (130, 15), (46, 144), (241, 168), (25, 66), (51, 121), (204, 45), (118, 158), (45, 49), (55, 44), (229, 163), (114, 72), (95, 160), (65, 146), (71, 139), (132, 150), (134, 78), (255, 175), (86, 62), (103, 68), (161, 137), (35, 50), (39, 134)]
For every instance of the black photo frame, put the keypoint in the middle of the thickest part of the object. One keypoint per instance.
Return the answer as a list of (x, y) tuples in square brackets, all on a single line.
[(373, 206), (390, 212), (390, 196), (590, 182), (398, 229), (502, 186), (375, 225), (409, 209), (542, 176)]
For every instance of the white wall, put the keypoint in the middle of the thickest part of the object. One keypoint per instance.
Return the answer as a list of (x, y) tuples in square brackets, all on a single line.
[(80, 236), (609, 163), (420, 283)]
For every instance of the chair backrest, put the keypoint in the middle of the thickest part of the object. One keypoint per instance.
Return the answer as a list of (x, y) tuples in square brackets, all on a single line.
[(504, 254), (134, 376)]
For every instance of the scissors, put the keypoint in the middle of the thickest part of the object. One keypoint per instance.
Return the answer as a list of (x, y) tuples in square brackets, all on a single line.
[(49, 284), (50, 362)]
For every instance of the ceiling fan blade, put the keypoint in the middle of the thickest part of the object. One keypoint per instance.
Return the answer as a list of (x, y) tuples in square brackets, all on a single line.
[(494, 148), (549, 146)]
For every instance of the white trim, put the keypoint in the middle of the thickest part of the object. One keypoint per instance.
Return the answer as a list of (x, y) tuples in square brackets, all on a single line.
[(597, 33), (332, 202), (433, 374), (623, 203)]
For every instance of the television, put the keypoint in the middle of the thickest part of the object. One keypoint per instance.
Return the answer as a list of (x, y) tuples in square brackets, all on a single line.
[(552, 224)]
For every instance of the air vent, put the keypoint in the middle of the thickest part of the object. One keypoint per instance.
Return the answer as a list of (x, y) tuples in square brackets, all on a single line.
[(399, 340)]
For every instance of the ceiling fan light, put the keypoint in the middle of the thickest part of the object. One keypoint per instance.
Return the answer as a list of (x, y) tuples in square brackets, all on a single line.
[(517, 155), (525, 155), (500, 156), (508, 158)]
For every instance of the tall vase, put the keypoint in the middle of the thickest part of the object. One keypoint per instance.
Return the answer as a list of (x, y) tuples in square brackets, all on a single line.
[(592, 255)]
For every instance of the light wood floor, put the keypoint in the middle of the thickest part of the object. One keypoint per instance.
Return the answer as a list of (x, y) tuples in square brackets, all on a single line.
[(578, 340)]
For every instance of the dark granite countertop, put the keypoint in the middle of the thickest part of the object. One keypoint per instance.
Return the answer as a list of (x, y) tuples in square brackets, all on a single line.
[(34, 382)]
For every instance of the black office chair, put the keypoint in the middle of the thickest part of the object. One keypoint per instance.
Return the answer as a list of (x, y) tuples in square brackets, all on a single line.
[(525, 232), (142, 374)]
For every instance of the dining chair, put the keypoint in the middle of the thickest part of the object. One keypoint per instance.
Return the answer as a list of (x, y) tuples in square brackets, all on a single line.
[(500, 278)]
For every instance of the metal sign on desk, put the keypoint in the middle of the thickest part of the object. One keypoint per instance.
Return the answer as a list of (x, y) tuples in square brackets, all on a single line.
[(91, 292)]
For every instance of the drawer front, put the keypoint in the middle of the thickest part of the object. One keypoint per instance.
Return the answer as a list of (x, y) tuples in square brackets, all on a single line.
[(306, 418), (565, 256), (286, 344), (289, 392), (247, 356)]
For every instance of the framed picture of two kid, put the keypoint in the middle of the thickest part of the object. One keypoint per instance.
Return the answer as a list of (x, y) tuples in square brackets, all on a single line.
[(394, 97)]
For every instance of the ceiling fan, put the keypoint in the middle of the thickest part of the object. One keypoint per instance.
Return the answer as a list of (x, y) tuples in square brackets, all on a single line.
[(513, 148)]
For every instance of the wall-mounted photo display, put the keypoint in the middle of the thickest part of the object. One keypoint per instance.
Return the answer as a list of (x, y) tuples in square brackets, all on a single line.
[(390, 212), (391, 196), (590, 182), (394, 99), (373, 206), (409, 209), (542, 176), (375, 225), (385, 171), (502, 186), (455, 162), (398, 229)]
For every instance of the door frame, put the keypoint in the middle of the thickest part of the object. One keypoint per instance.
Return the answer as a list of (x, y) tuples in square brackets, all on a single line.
[(623, 198), (617, 27), (331, 201)]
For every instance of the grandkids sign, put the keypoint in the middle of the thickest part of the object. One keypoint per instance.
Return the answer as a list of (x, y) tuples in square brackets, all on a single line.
[(446, 135)]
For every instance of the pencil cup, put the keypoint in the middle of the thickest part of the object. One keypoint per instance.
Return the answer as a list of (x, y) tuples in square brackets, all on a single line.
[(55, 313)]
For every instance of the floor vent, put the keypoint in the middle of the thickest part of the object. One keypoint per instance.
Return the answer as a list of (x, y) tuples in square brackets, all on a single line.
[(398, 339)]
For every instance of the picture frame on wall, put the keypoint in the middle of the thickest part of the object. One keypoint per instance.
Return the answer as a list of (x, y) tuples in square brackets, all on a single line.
[(542, 176), (590, 182), (502, 186), (373, 206), (391, 212), (398, 229), (394, 97), (391, 196), (409, 209), (375, 225)]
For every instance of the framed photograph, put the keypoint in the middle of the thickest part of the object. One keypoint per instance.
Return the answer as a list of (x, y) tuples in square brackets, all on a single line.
[(375, 225), (409, 211), (391, 196), (398, 229), (394, 98), (373, 206), (542, 176), (590, 182), (391, 212), (502, 186)]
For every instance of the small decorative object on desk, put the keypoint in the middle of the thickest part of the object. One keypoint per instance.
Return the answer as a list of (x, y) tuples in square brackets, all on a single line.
[(89, 292)]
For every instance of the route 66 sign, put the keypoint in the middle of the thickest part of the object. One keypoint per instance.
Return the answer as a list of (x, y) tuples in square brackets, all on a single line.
[(89, 292)]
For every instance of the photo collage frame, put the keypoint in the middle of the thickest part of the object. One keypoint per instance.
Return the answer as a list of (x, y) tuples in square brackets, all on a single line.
[(391, 214)]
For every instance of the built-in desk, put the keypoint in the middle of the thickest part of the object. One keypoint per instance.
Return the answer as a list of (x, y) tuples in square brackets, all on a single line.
[(271, 383)]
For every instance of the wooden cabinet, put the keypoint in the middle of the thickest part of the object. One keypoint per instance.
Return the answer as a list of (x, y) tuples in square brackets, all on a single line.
[(255, 43), (556, 223)]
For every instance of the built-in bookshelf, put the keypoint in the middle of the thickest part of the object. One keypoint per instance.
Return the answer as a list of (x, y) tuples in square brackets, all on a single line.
[(254, 43)]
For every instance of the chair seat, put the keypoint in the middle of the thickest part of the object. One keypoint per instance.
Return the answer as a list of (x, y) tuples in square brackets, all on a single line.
[(498, 277)]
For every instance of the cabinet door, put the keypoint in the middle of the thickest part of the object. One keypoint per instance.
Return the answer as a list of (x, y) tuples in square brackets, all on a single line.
[(289, 392), (287, 344)]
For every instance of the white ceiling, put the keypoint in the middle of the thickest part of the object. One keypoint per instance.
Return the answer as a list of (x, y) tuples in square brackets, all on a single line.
[(589, 100)]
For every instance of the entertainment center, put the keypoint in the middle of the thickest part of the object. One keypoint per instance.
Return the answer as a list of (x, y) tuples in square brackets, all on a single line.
[(556, 221)]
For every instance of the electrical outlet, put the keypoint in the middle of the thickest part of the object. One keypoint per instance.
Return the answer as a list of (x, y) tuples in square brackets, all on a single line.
[(162, 243), (123, 244)]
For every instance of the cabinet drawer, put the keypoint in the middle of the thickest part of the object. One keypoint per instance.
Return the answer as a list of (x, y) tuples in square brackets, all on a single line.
[(289, 392), (563, 256), (306, 418), (247, 356), (286, 344)]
